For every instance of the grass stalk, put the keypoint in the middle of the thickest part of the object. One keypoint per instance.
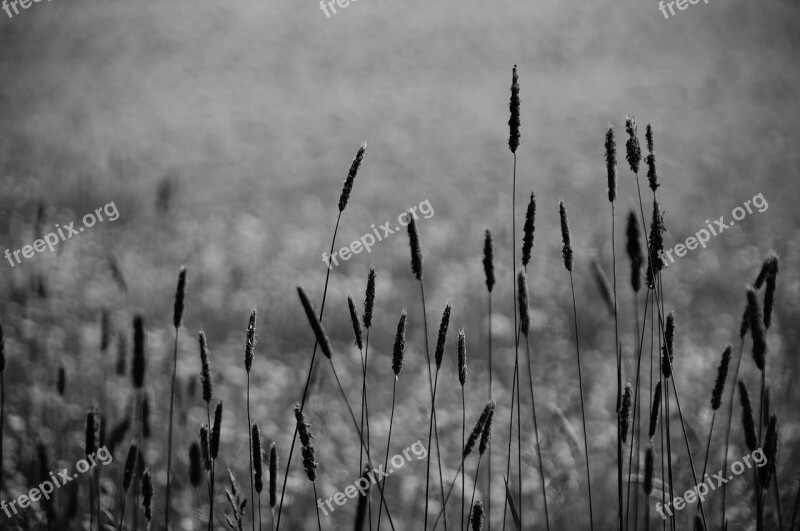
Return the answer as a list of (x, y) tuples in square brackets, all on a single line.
[(536, 434), (388, 444)]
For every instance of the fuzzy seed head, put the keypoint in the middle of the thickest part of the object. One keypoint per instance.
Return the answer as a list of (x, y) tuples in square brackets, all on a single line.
[(654, 264), (748, 422), (399, 344), (180, 294), (566, 251), (722, 375), (62, 381), (205, 453), (316, 325), (634, 153), (625, 414), (757, 330), (486, 433), (635, 254), (92, 431), (654, 411), (251, 341), (130, 464), (477, 516), (611, 164), (766, 473), (416, 248), (698, 523), (351, 176), (513, 122), (258, 467), (273, 474), (528, 230), (195, 465), (478, 429), (137, 370), (205, 369), (488, 260), (369, 302), (462, 358), (351, 305), (147, 496), (650, 160), (522, 298), (667, 349), (441, 340), (215, 432)]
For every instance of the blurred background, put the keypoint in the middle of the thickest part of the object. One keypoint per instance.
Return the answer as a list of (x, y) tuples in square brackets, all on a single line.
[(222, 132)]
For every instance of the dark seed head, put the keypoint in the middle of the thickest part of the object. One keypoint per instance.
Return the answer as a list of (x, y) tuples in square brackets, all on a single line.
[(722, 375), (441, 340), (766, 473), (488, 260), (213, 445), (137, 370), (250, 342), (195, 465), (399, 344), (757, 330), (478, 429), (180, 293), (513, 122), (258, 467), (416, 248), (698, 523), (205, 369), (635, 254), (62, 381), (462, 358), (625, 414), (369, 302), (650, 159), (477, 516), (667, 349), (654, 411), (529, 228), (748, 422), (147, 495), (273, 474), (92, 431), (654, 263), (566, 251), (522, 301), (634, 153), (316, 325), (486, 433), (351, 304), (351, 176), (205, 453), (611, 164), (130, 464)]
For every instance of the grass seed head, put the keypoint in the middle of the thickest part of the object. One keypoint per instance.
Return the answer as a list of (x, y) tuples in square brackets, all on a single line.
[(513, 121), (399, 344), (416, 248), (522, 301), (722, 375), (441, 340), (316, 325), (633, 152), (137, 370), (258, 467), (611, 164), (351, 176), (351, 305), (205, 369), (654, 411), (250, 344), (213, 443), (634, 248), (180, 294), (488, 260), (462, 358), (748, 422), (369, 301), (477, 516), (528, 229), (566, 251), (195, 465)]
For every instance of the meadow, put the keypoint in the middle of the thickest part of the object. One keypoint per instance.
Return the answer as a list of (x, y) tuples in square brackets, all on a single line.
[(223, 135)]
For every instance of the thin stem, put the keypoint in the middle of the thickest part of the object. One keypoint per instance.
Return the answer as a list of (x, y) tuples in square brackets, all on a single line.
[(708, 444), (250, 454), (366, 416), (169, 441), (433, 416), (358, 432), (728, 428), (474, 485), (583, 408), (388, 443), (510, 434), (319, 523), (211, 475), (447, 497), (489, 457), (310, 370), (536, 433), (430, 432), (778, 498), (463, 438), (796, 504), (619, 368)]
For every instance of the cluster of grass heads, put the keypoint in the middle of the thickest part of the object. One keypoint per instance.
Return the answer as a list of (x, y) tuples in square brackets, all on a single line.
[(660, 462)]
